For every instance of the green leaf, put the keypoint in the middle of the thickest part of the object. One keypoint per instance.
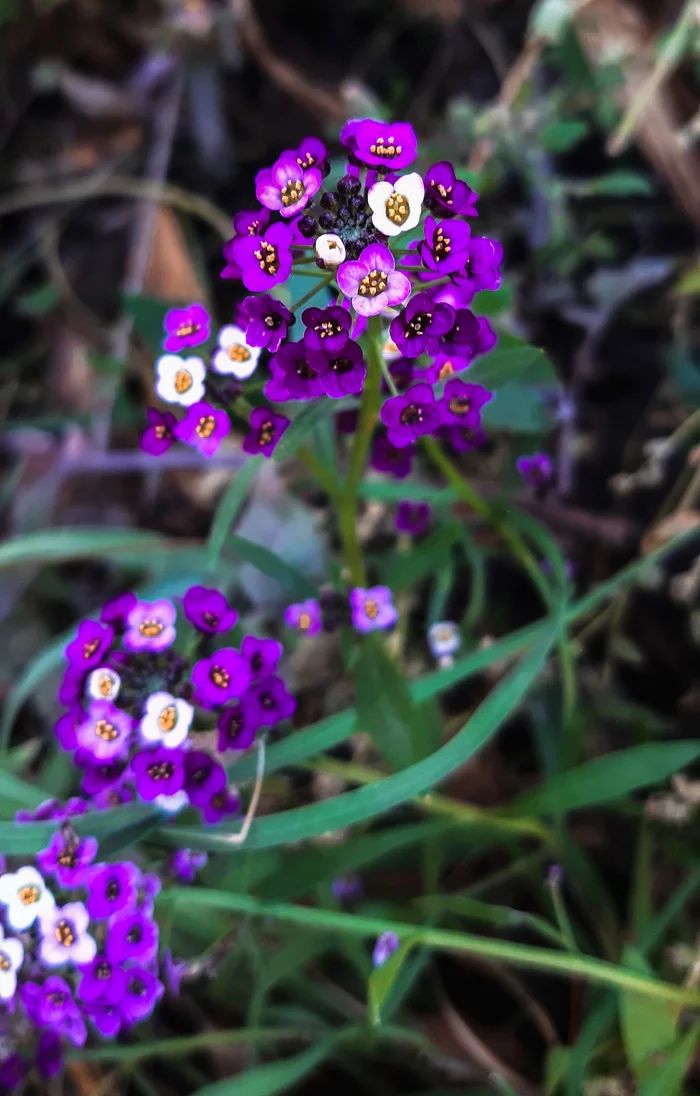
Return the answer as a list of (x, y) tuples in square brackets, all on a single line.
[(229, 506), (385, 710), (148, 315), (563, 135), (618, 184), (667, 1079), (305, 423), (80, 542), (648, 1026), (491, 302), (556, 1069), (26, 838), (356, 806), (291, 580), (382, 979), (393, 491), (404, 569), (16, 794), (607, 778), (599, 1019), (526, 364), (276, 1077), (184, 1045), (518, 408)]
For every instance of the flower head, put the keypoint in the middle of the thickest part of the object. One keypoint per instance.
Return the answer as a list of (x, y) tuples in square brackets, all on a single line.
[(222, 677), (106, 731), (262, 655), (271, 700), (111, 889), (413, 517), (208, 610), (418, 328), (329, 250), (341, 372), (326, 328), (67, 857), (51, 1005), (266, 429), (268, 322), (481, 268), (203, 427), (384, 948), (158, 772), (185, 327), (410, 415), (536, 470), (236, 356), (204, 776), (186, 863), (103, 684), (371, 281), (462, 403), (381, 144), (372, 609), (445, 246), (447, 195), (64, 936), (386, 457), (444, 639), (293, 377), (11, 959), (142, 992), (150, 626), (132, 936), (117, 608), (102, 980), (237, 725), (305, 616), (310, 153), (264, 260), (287, 186), (396, 207), (159, 435), (180, 380), (90, 646)]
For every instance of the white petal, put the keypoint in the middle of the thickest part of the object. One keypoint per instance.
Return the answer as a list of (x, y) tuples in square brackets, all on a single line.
[(231, 334), (378, 195), (167, 365), (172, 803), (383, 224), (14, 951), (8, 888), (51, 953), (83, 951), (412, 187), (98, 683), (8, 984), (330, 249)]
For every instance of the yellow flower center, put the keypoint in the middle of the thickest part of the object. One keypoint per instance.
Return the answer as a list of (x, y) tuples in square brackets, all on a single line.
[(167, 720), (106, 731), (29, 894), (183, 381), (150, 628), (205, 427), (373, 283), (387, 151), (239, 353), (397, 208)]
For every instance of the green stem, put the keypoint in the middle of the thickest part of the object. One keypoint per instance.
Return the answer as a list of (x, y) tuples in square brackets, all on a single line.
[(367, 420), (523, 955)]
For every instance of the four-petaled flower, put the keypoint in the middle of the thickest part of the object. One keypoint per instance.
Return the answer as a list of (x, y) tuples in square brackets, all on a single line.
[(446, 244), (106, 730), (341, 372), (412, 517), (266, 429), (396, 207), (268, 322), (448, 195), (304, 616), (326, 328), (64, 936), (462, 402), (150, 626), (410, 415), (235, 357), (381, 144), (208, 610), (103, 684), (372, 609), (185, 327), (536, 469), (287, 186), (418, 328), (371, 281), (158, 772), (11, 959), (264, 260), (204, 427), (222, 677), (67, 858), (90, 646), (180, 380), (159, 435), (166, 719)]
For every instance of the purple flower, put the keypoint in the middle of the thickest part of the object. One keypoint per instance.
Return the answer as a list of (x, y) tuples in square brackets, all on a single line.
[(208, 610), (67, 857), (115, 611), (342, 373), (115, 796), (64, 937), (132, 937), (305, 615), (446, 194), (237, 726), (219, 805), (272, 701), (106, 1018), (150, 887), (385, 457), (487, 337), (536, 470), (265, 260), (172, 971), (445, 247), (249, 222), (49, 1054), (481, 269), (268, 320), (381, 144), (384, 948), (461, 403), (105, 731), (408, 416), (111, 889), (185, 327), (158, 772), (103, 980), (72, 686), (13, 1070), (142, 991), (286, 186), (347, 888), (419, 327), (222, 677), (402, 372), (293, 377), (150, 626), (204, 428), (413, 517), (463, 336), (65, 728), (98, 778), (326, 328), (266, 429), (159, 435), (372, 609), (203, 776), (186, 863), (372, 282), (445, 366), (48, 811), (90, 646), (262, 655), (310, 153), (464, 438)]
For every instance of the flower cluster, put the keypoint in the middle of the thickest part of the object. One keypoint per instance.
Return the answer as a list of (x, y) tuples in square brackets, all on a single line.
[(78, 952), (136, 706), (393, 244), (368, 610)]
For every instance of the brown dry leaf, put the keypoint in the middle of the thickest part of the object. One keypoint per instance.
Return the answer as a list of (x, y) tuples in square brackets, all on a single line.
[(171, 274), (672, 526)]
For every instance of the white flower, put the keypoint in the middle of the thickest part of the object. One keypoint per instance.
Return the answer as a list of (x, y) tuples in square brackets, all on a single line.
[(167, 719), (396, 206), (26, 897), (330, 249), (172, 804), (103, 684), (11, 957), (234, 356), (180, 380), (444, 639), (64, 936)]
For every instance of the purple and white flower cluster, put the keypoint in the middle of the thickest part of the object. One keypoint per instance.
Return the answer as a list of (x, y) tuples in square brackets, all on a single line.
[(78, 952), (136, 707), (356, 233)]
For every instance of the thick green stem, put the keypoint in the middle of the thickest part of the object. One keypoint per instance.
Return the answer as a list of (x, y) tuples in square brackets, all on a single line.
[(368, 415)]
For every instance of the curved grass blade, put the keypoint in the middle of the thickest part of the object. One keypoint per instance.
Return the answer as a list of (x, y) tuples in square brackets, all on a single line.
[(81, 542), (227, 511), (276, 1077), (291, 580)]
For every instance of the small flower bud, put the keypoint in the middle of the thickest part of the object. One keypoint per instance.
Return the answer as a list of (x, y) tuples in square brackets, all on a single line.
[(349, 184), (444, 639), (330, 250)]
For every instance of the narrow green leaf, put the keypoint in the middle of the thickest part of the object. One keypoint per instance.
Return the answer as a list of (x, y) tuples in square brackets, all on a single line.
[(596, 1024), (667, 1079), (185, 1044), (382, 979), (291, 580), (276, 1077), (619, 184), (79, 542), (304, 424), (563, 135), (648, 1026), (16, 794), (228, 509), (385, 710), (396, 490), (607, 778)]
